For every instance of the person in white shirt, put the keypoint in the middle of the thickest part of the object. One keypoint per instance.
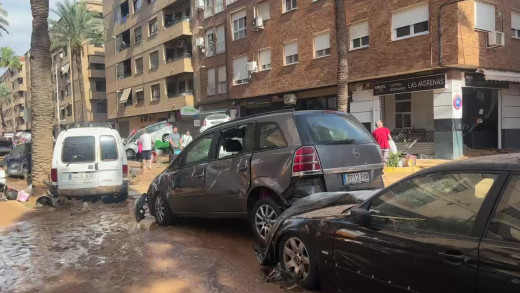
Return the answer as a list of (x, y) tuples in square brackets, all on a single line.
[(186, 139), (147, 143)]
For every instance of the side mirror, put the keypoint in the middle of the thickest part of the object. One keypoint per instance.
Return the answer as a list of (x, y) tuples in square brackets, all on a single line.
[(361, 217)]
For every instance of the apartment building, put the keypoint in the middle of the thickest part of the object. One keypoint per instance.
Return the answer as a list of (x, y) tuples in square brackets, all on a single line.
[(149, 68), (14, 105)]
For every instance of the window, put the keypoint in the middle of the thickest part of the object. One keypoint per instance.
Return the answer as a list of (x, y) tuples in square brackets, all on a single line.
[(101, 85), (289, 5), (269, 136), (20, 80), (68, 89), (409, 22), (264, 58), (445, 203), (156, 92), (101, 107), (505, 225), (229, 2), (108, 148), (403, 110), (232, 142), (208, 8), (154, 60), (199, 151), (78, 149), (222, 80), (138, 65), (359, 35), (137, 5), (138, 35), (152, 27), (97, 66), (484, 16), (263, 10), (211, 82), (210, 43), (240, 75), (219, 6), (322, 45), (239, 24), (515, 24), (221, 39), (291, 53), (139, 95)]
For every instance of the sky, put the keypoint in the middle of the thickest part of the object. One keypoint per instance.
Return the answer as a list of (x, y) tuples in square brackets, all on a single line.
[(20, 25)]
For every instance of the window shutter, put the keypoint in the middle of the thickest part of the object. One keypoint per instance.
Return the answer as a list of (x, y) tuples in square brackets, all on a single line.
[(240, 68), (322, 41), (265, 57), (263, 10), (211, 78), (222, 74), (409, 16), (515, 20), (220, 34), (359, 30), (291, 49), (485, 16), (238, 15)]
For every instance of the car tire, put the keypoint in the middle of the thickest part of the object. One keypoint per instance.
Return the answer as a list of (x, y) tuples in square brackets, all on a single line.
[(165, 138), (262, 217), (163, 214), (130, 154), (121, 197), (303, 261)]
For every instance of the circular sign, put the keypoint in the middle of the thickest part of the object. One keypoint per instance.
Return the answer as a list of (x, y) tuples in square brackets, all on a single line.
[(457, 102)]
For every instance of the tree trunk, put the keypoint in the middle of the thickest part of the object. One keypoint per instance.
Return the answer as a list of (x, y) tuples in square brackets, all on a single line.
[(79, 66), (342, 43), (41, 94), (2, 117)]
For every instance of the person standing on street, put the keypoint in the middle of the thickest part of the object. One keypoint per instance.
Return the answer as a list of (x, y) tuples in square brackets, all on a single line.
[(146, 143), (186, 139), (382, 136), (175, 142)]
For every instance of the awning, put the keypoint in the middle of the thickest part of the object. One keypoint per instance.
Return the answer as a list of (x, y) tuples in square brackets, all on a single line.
[(139, 90), (125, 95), (65, 68), (491, 74)]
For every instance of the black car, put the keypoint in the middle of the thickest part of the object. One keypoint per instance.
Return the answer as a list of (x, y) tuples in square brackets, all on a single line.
[(450, 228), (6, 146), (18, 161)]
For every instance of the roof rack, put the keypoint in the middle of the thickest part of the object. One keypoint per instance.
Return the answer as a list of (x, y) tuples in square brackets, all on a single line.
[(87, 124)]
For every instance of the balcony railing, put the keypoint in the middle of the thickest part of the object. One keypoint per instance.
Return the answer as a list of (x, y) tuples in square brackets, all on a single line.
[(179, 94), (170, 20), (178, 57)]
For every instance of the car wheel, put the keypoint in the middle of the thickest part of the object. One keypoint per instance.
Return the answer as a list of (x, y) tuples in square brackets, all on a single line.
[(130, 154), (163, 214), (296, 256), (121, 197), (265, 213), (165, 138), (25, 173)]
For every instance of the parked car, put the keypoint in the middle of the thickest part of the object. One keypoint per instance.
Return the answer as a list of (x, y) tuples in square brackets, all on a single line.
[(258, 166), (158, 131), (18, 162), (89, 160), (214, 119), (450, 228), (6, 146)]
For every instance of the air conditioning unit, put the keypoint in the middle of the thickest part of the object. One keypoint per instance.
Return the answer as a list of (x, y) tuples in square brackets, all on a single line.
[(199, 4), (180, 44), (258, 23), (199, 42), (252, 66), (496, 39), (289, 99)]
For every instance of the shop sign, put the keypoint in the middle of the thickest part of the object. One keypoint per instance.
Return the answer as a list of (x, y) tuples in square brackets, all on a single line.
[(456, 94), (423, 83), (475, 79), (258, 103), (188, 111)]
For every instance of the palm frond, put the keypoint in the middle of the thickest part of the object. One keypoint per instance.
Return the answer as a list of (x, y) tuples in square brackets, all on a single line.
[(3, 22)]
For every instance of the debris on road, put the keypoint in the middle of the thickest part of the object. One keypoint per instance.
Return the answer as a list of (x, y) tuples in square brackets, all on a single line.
[(288, 281), (140, 207)]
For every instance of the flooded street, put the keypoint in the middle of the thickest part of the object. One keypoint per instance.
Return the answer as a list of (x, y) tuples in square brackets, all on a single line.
[(97, 248)]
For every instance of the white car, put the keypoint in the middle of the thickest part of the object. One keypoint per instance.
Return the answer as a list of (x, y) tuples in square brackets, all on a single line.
[(158, 131), (89, 160), (214, 119)]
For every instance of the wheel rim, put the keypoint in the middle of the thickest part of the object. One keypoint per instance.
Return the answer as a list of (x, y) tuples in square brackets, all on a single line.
[(265, 217), (296, 257), (165, 138), (159, 208), (130, 154)]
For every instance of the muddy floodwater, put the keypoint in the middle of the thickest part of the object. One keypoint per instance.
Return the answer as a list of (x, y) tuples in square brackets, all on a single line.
[(97, 248)]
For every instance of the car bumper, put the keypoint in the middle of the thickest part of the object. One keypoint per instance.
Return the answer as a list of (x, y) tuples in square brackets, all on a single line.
[(98, 191)]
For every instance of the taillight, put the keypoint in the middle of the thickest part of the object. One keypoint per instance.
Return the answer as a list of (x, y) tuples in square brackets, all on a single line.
[(125, 171), (54, 175), (306, 160), (204, 124), (229, 119)]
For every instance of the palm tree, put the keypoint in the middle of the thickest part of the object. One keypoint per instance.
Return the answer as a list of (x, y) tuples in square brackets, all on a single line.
[(9, 59), (3, 22), (76, 27), (341, 41), (41, 96), (4, 93)]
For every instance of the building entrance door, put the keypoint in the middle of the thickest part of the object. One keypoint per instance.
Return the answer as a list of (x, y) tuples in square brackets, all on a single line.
[(480, 117)]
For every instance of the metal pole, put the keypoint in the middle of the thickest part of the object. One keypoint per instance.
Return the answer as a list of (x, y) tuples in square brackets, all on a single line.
[(57, 97), (71, 68)]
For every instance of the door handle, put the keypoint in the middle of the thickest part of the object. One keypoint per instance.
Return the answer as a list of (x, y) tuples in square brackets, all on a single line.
[(243, 165), (197, 175), (455, 257)]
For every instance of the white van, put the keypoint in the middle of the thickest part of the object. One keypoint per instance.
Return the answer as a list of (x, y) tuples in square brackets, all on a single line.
[(89, 160)]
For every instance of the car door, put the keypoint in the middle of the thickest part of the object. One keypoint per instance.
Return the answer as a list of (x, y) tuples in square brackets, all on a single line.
[(109, 165), (499, 252), (187, 184), (228, 176)]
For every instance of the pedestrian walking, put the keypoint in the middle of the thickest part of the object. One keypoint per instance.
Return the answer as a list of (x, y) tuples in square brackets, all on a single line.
[(382, 136), (186, 139), (147, 143), (140, 153), (175, 142)]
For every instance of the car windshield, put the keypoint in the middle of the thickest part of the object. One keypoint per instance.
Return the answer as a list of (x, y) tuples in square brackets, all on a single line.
[(331, 129), (78, 149)]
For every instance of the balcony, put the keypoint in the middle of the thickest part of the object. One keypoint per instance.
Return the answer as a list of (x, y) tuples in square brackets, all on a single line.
[(177, 28), (96, 73), (180, 64), (179, 94)]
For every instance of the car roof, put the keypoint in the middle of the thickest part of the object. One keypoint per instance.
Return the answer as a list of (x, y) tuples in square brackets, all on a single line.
[(504, 162), (88, 131)]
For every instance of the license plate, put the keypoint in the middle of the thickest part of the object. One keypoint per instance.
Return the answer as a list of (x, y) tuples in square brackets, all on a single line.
[(81, 176), (356, 178)]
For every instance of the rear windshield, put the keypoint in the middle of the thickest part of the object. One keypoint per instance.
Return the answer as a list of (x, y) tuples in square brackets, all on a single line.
[(108, 148), (78, 149), (330, 129)]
